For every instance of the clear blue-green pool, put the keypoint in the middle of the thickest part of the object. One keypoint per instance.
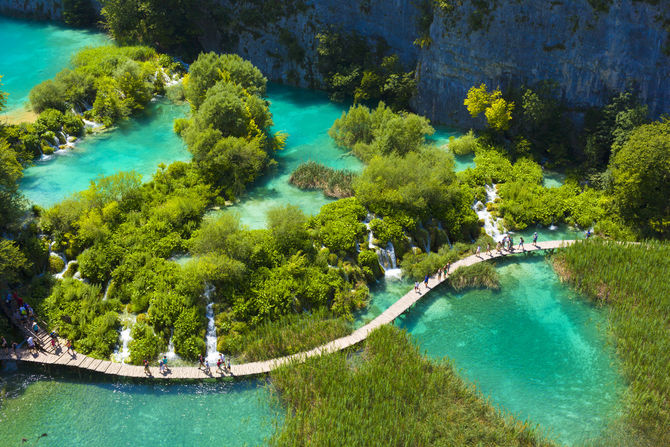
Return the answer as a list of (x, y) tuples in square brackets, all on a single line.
[(101, 413), (35, 51), (140, 144)]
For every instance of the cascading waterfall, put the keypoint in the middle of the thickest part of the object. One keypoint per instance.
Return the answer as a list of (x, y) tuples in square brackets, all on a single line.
[(386, 256), (170, 354), (122, 353), (210, 338), (104, 297), (491, 225), (392, 271)]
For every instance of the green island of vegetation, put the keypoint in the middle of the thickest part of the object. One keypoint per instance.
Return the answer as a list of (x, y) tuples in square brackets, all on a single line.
[(299, 282)]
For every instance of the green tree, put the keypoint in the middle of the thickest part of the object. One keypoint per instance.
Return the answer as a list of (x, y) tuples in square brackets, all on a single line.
[(641, 175), (12, 262), (497, 110)]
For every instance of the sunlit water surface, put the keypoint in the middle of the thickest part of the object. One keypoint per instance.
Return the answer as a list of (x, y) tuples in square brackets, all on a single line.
[(100, 413), (35, 51)]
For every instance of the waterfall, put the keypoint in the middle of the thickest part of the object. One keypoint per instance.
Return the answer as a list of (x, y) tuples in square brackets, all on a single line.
[(170, 354), (387, 260), (392, 272), (491, 225), (210, 338), (104, 297), (122, 353), (386, 256)]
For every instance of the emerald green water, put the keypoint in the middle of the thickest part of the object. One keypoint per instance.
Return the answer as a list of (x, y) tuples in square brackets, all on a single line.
[(139, 144), (306, 116), (100, 413), (534, 347), (35, 51)]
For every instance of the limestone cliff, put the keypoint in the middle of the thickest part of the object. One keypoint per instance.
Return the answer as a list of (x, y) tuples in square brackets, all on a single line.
[(590, 54)]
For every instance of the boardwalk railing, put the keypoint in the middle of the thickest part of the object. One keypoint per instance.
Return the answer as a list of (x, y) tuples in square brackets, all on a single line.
[(60, 356)]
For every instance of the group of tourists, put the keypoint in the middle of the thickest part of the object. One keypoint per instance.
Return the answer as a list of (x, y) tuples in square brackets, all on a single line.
[(23, 314), (442, 273), (221, 364)]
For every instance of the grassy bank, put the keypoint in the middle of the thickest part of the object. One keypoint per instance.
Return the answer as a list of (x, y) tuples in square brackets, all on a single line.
[(291, 334), (333, 182), (633, 281), (391, 395)]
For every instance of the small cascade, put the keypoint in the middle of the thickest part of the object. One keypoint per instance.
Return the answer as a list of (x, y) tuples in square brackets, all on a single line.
[(210, 337), (92, 124), (427, 243), (122, 353), (491, 225), (170, 354), (104, 297), (387, 260)]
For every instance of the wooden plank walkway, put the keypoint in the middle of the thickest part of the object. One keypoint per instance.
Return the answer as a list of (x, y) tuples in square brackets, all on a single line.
[(60, 356)]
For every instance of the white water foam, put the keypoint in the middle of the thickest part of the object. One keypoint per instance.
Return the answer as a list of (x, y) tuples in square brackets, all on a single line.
[(212, 355), (491, 226)]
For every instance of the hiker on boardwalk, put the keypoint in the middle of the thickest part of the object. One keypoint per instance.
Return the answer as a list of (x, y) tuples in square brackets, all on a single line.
[(479, 249), (31, 344), (201, 359), (68, 345), (448, 266), (147, 371), (535, 238), (416, 287), (488, 248), (425, 281), (4, 345), (521, 243)]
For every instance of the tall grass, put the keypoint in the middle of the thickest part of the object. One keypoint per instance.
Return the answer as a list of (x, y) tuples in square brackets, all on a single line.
[(389, 396), (291, 334), (634, 280), (482, 275), (333, 182)]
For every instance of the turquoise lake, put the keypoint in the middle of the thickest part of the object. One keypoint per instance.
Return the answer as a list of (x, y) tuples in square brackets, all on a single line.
[(140, 144), (534, 346), (36, 51), (95, 412)]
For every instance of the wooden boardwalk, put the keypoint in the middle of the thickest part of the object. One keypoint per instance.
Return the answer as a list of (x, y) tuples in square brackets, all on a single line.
[(60, 356)]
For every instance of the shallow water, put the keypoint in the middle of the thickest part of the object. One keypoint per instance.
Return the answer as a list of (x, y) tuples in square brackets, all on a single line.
[(535, 348), (36, 51), (306, 116), (138, 144), (96, 412), (553, 179)]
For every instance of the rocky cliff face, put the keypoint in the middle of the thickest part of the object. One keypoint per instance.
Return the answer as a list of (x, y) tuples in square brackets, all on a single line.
[(36, 9), (590, 54)]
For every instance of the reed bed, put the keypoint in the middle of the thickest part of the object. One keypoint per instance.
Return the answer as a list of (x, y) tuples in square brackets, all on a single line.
[(291, 334), (482, 275), (333, 182), (634, 281), (390, 395)]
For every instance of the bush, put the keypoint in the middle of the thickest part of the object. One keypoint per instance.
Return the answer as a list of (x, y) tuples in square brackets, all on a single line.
[(47, 95), (463, 145), (56, 264)]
